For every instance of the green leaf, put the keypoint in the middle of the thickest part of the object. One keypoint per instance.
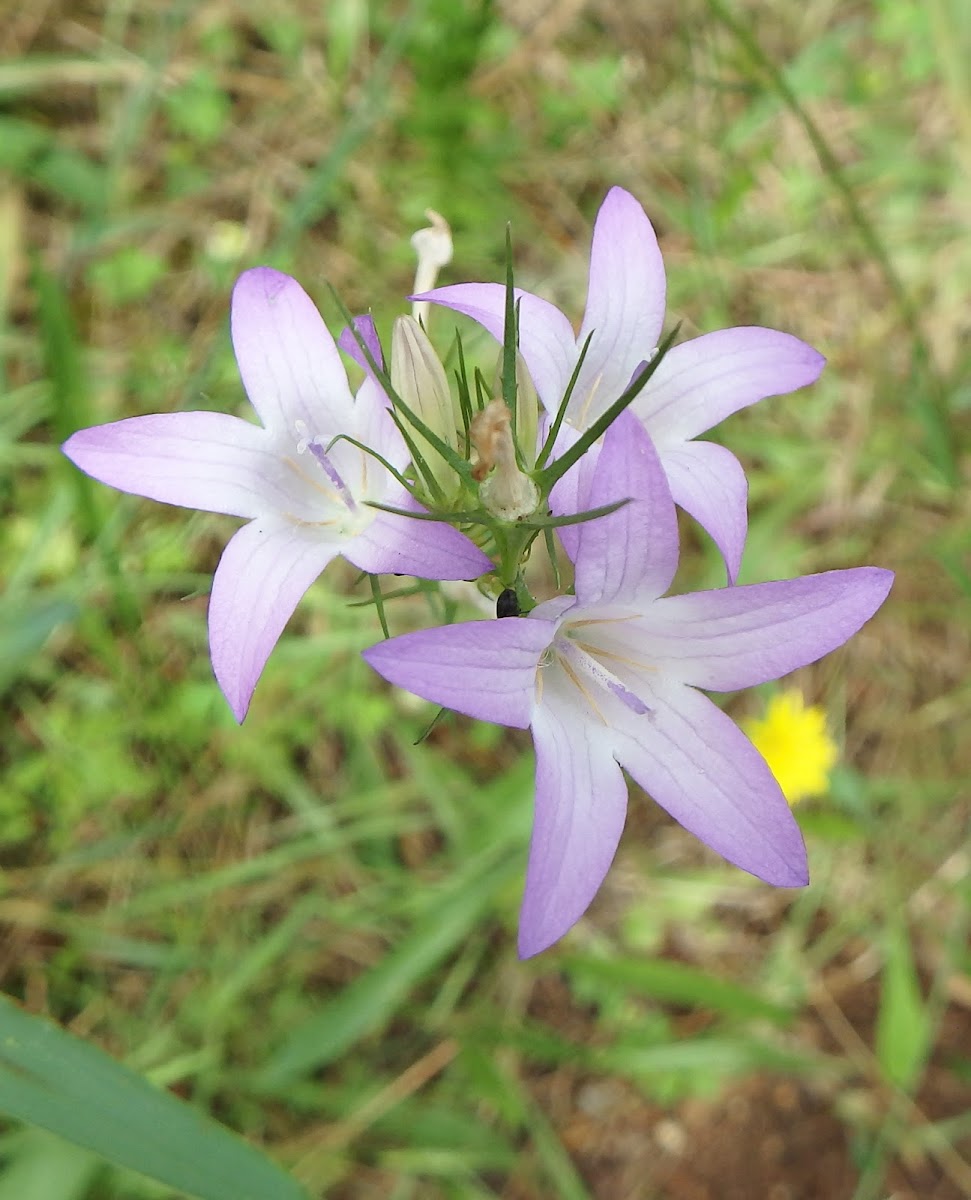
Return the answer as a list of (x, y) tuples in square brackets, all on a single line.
[(199, 108), (903, 1027), (677, 983), (128, 275), (25, 626), (709, 1056), (52, 1079), (33, 152)]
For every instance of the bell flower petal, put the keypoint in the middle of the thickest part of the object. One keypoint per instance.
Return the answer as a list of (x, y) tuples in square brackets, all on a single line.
[(697, 764), (708, 482), (376, 429), (614, 560), (262, 575), (485, 669), (739, 637), (581, 805), (701, 382), (625, 305), (398, 545), (347, 342), (204, 460), (564, 498), (287, 359)]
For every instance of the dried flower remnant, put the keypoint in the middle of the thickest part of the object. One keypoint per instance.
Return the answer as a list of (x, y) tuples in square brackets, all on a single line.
[(504, 489), (434, 249)]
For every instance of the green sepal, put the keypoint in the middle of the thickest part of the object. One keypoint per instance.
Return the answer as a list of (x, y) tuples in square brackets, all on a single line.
[(378, 599), (590, 514), (464, 394), (346, 437), (430, 726), (551, 437), (477, 516), (559, 467), (510, 338)]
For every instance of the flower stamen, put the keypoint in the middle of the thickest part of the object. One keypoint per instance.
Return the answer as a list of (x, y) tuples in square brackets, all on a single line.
[(624, 659), (578, 659), (580, 420), (575, 679), (313, 444)]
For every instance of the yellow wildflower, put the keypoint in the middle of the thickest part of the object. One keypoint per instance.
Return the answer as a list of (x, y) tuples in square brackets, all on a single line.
[(793, 739)]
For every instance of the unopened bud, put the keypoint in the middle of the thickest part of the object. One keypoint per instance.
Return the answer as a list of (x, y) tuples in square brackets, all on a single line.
[(417, 375), (504, 490)]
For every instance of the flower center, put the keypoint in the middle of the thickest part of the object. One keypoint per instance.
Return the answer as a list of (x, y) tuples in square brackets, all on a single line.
[(341, 492), (583, 664)]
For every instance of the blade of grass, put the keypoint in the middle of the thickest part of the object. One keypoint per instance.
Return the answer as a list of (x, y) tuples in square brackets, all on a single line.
[(25, 626), (11, 237), (52, 1079), (64, 362), (316, 198), (447, 917), (677, 983), (366, 1004), (902, 1029)]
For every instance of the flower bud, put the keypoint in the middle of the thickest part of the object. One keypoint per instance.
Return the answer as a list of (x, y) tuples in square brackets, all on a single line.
[(417, 375)]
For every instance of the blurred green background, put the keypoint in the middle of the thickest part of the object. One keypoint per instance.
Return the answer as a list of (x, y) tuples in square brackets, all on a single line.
[(306, 926)]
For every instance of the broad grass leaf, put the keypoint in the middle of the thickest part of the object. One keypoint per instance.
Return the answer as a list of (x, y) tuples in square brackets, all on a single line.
[(52, 1079), (903, 1028)]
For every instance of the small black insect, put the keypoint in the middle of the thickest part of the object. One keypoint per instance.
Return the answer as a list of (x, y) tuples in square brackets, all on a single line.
[(507, 605)]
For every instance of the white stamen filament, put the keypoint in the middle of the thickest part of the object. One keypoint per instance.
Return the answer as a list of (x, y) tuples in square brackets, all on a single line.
[(580, 660), (578, 684), (623, 659), (580, 420)]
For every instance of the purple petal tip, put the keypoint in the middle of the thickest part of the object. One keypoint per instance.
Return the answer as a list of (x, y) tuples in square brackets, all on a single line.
[(266, 279)]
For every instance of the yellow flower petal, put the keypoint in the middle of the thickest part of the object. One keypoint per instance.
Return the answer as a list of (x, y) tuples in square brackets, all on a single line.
[(794, 741)]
